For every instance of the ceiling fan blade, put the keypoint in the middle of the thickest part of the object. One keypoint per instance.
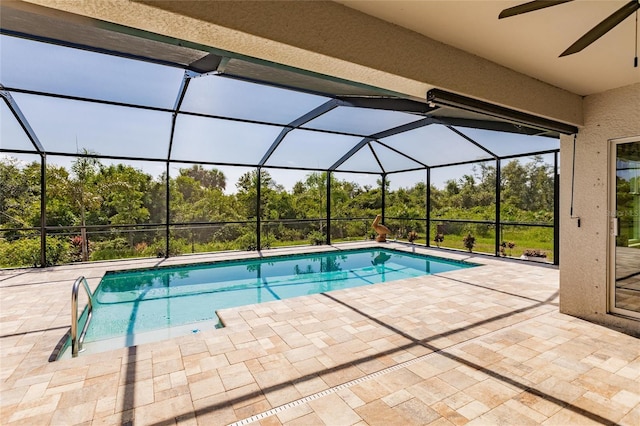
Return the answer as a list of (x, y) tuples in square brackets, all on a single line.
[(603, 27), (529, 7)]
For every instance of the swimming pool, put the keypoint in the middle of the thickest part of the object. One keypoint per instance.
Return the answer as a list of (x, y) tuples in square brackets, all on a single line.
[(184, 299)]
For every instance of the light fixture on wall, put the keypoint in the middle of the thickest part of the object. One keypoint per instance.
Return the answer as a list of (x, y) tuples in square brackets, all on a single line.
[(437, 97)]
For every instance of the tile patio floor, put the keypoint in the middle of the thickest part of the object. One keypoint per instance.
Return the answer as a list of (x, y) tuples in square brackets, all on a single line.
[(482, 346)]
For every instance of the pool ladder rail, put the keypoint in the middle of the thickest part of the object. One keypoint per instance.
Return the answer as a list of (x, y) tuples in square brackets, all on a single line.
[(76, 341)]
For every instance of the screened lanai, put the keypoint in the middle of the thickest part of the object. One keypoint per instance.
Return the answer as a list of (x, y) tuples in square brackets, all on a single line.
[(110, 154)]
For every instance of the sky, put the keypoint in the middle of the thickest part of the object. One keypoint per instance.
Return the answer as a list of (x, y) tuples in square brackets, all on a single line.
[(64, 125)]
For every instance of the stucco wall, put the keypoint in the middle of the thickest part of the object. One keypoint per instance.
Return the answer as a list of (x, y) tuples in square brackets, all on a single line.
[(584, 250)]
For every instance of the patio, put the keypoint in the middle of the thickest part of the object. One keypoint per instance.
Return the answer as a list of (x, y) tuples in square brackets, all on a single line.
[(484, 345)]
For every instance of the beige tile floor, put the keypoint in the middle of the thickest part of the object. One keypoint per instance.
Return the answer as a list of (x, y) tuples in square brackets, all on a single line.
[(478, 346)]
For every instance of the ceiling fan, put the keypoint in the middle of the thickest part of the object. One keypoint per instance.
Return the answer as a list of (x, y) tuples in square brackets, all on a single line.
[(594, 34)]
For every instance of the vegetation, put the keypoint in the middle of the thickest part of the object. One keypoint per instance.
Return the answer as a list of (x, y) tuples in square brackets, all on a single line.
[(469, 241), (96, 211)]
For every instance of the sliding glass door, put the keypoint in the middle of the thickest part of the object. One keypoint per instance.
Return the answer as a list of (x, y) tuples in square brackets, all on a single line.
[(625, 227)]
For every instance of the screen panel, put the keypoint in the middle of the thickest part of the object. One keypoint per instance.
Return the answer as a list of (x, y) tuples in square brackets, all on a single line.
[(32, 65), (70, 126), (392, 161), (360, 121), (12, 135), (362, 161), (221, 141), (464, 192), (313, 150), (226, 97), (435, 145), (505, 144)]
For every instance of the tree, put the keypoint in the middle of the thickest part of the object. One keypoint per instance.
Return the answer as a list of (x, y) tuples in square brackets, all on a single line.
[(157, 199), (19, 194), (84, 193), (189, 189), (90, 193), (313, 200), (342, 192), (541, 186), (528, 187), (249, 180), (247, 191), (451, 187), (213, 178), (124, 192), (514, 184)]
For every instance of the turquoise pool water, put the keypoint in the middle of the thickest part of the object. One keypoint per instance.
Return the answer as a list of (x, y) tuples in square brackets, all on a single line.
[(133, 302)]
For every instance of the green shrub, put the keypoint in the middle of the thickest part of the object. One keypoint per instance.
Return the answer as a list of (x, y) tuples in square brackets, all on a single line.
[(247, 242), (115, 248), (26, 252), (228, 232), (316, 238)]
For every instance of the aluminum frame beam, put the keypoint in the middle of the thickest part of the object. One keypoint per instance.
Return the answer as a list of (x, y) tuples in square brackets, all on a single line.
[(386, 133), (315, 113), (377, 159), (184, 85), (22, 120), (401, 153), (459, 133)]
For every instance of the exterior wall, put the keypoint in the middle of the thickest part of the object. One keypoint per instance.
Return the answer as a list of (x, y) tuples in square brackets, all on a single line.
[(331, 39), (584, 250)]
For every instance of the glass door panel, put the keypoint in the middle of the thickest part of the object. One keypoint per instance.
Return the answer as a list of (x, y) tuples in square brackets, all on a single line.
[(626, 229)]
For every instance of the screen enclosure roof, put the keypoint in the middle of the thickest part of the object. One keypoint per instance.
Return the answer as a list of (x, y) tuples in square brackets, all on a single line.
[(213, 109)]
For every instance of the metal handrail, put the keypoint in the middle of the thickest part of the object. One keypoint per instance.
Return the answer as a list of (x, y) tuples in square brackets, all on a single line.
[(76, 341)]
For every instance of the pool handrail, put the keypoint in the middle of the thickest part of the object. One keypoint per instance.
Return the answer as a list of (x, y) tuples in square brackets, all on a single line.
[(76, 341)]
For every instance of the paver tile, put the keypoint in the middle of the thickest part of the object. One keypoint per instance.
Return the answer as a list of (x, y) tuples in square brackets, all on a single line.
[(294, 413), (135, 394), (416, 411), (334, 411), (499, 356), (75, 414), (166, 410), (210, 384), (41, 406)]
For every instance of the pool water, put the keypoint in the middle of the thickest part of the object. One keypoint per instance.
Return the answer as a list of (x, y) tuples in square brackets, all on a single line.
[(133, 302)]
